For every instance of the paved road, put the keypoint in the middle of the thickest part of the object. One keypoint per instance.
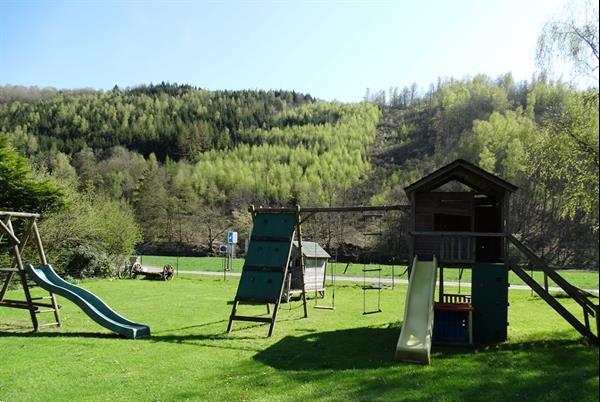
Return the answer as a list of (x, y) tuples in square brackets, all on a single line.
[(383, 280)]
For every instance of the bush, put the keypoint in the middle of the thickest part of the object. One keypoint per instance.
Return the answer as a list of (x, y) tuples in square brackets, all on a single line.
[(92, 237), (87, 261)]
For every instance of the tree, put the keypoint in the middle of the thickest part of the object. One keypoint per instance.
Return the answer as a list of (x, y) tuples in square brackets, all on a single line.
[(572, 38), (20, 189)]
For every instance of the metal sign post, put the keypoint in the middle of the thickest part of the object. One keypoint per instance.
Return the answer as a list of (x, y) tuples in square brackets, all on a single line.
[(232, 239)]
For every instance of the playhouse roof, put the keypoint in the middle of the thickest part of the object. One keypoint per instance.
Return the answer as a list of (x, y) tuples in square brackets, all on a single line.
[(466, 173), (311, 249)]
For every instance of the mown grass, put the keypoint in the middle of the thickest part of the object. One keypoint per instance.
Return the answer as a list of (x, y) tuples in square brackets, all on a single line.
[(581, 278), (332, 355)]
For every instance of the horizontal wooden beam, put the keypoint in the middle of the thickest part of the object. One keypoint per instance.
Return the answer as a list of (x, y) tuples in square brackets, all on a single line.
[(457, 234), (252, 319), (19, 214), (332, 209)]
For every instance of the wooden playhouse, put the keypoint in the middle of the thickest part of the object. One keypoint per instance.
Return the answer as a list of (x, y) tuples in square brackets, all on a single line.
[(460, 214), (315, 269)]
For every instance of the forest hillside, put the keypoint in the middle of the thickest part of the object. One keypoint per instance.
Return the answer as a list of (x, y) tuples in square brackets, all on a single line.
[(170, 168)]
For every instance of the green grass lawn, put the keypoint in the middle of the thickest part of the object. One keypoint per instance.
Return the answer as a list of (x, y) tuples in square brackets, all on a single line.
[(332, 355), (580, 278)]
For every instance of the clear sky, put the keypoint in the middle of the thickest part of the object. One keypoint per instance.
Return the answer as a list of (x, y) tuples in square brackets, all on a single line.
[(330, 49)]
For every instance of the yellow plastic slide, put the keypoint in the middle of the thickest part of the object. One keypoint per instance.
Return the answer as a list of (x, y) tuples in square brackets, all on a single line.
[(414, 344)]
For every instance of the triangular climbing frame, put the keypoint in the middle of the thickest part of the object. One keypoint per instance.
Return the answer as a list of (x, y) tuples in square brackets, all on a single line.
[(266, 265), (18, 235)]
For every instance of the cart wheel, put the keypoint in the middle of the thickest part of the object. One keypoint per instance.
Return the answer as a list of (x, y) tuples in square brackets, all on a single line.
[(135, 269), (168, 272)]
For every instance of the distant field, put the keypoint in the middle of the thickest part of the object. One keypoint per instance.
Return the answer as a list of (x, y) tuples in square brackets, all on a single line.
[(580, 278)]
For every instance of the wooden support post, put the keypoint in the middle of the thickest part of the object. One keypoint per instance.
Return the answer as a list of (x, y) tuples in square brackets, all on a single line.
[(38, 243), (441, 300), (411, 236), (301, 255), (233, 311), (44, 261), (274, 318), (23, 277)]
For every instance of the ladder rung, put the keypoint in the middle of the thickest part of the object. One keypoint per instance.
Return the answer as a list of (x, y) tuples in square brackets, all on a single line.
[(372, 287), (41, 298), (51, 324), (9, 269), (50, 310), (371, 269)]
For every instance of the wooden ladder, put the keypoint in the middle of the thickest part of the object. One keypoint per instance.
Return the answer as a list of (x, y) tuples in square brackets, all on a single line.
[(578, 295), (33, 304)]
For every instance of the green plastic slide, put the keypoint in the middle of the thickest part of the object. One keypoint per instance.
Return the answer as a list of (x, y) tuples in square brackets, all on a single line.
[(91, 304), (414, 344)]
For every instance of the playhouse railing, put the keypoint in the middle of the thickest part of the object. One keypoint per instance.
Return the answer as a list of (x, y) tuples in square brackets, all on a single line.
[(457, 247)]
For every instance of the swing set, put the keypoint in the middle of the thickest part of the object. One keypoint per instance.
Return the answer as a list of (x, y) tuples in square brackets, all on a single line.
[(265, 273)]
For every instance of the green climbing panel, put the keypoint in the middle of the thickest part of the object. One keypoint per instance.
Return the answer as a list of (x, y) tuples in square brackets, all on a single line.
[(267, 258), (490, 302)]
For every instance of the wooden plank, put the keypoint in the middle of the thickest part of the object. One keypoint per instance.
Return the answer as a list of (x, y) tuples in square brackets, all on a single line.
[(19, 214), (302, 263), (252, 319), (38, 243), (559, 308), (457, 234), (9, 270), (233, 311), (9, 232), (334, 209), (555, 276)]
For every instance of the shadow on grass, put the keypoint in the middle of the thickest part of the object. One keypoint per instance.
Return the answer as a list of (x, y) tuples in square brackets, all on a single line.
[(374, 347), (557, 369), (355, 348), (54, 334)]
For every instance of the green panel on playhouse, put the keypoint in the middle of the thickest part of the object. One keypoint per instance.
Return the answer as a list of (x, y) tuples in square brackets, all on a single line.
[(490, 302)]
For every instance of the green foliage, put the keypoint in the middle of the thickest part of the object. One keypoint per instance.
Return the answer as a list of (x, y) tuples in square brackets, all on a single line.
[(499, 144), (566, 156), (166, 119), (92, 237), (20, 189)]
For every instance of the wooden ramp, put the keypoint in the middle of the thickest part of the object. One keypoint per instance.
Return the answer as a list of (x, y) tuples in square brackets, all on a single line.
[(580, 296), (266, 265)]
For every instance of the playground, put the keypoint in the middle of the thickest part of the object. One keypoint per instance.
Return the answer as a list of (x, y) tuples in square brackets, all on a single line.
[(263, 334), (330, 356)]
